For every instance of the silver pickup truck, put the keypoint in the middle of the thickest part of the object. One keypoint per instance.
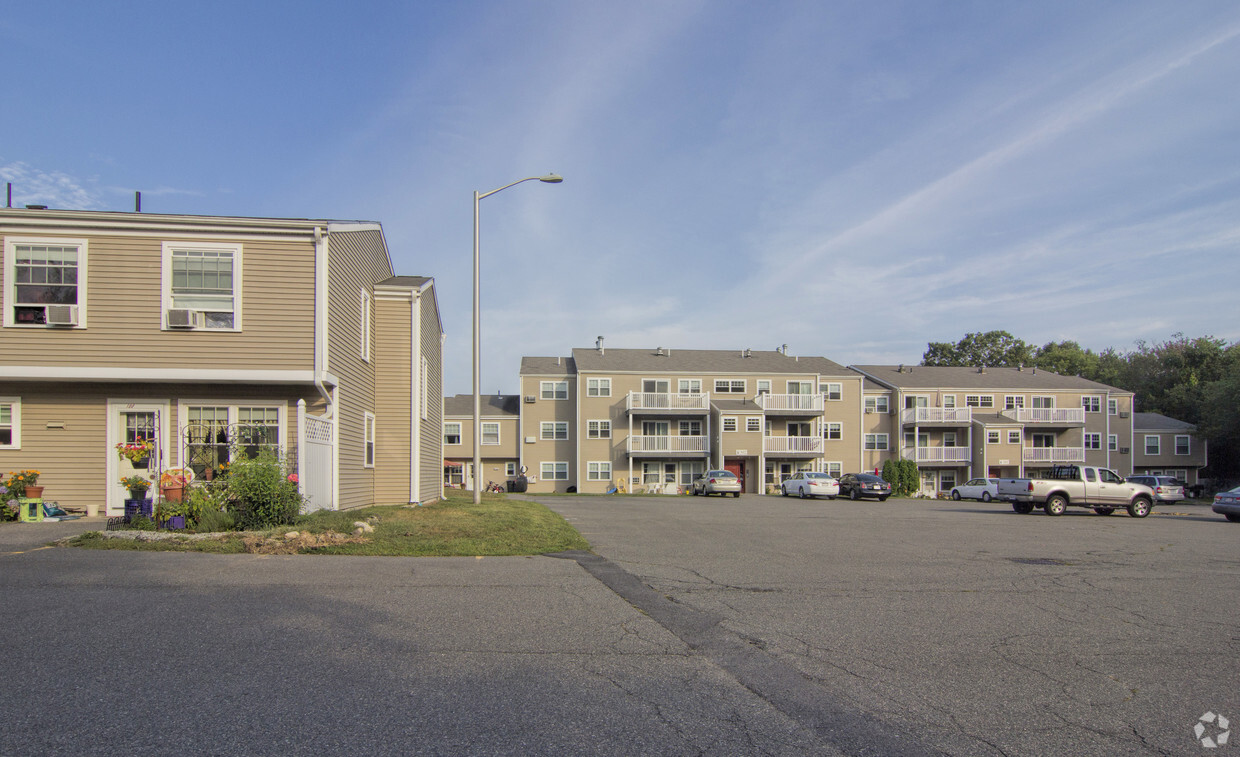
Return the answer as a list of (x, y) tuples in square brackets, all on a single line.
[(1077, 486)]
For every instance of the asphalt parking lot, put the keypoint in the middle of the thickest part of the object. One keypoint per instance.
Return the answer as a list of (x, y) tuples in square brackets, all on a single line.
[(965, 626)]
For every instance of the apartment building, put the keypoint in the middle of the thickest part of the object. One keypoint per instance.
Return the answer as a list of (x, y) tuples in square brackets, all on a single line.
[(500, 416), (964, 422), (1166, 446), (654, 419)]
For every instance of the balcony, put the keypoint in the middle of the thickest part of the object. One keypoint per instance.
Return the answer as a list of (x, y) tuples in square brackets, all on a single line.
[(663, 445), (942, 416), (938, 455), (791, 404), (1053, 455), (1048, 416), (668, 403), (792, 445)]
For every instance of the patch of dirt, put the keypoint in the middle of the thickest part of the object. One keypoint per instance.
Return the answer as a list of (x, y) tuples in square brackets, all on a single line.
[(294, 542)]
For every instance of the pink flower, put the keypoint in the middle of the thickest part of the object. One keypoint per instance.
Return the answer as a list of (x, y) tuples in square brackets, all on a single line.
[(292, 477)]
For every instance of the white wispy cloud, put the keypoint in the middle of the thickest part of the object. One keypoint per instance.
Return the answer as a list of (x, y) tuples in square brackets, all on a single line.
[(35, 186)]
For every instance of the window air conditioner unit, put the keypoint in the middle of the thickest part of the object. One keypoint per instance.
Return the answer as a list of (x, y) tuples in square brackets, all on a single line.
[(1123, 414), (1123, 450), (530, 399), (62, 315), (179, 318), (869, 410), (529, 440)]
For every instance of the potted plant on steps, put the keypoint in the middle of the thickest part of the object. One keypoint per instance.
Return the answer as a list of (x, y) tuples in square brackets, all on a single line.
[(137, 486)]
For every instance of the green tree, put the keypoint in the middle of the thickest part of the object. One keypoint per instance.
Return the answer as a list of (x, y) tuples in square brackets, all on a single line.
[(1067, 358), (989, 348)]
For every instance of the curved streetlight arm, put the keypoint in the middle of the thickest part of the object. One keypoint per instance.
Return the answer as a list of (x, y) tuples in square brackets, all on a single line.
[(549, 179)]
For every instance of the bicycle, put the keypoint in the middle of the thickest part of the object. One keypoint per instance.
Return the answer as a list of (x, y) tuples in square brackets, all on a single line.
[(495, 488)]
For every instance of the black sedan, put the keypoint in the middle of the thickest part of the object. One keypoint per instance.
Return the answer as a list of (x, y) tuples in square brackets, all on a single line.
[(858, 485)]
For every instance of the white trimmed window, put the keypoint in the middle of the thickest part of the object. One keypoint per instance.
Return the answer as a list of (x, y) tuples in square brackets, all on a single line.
[(1182, 444), (689, 386), (979, 400), (203, 281), (1153, 444), (729, 423), (452, 433), (876, 441), (553, 390), (833, 431), (753, 423), (834, 392), (1112, 442), (877, 404), (1112, 407), (554, 430), (1014, 402), (364, 336), (369, 432), (598, 387), (949, 438), (992, 437), (1093, 441), (554, 471), (730, 386), (510, 469), (44, 282), (598, 429), (1014, 437), (10, 422), (949, 401), (690, 428), (1092, 404), (490, 432), (764, 386), (836, 469), (598, 471)]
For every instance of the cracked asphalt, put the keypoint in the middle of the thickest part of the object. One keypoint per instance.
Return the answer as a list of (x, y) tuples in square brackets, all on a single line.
[(751, 626)]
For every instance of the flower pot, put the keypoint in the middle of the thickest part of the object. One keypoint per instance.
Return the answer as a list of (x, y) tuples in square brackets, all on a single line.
[(172, 493), (142, 462), (137, 493), (34, 492), (176, 522)]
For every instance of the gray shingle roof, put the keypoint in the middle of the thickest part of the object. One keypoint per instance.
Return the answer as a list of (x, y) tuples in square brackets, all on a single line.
[(491, 404), (947, 378), (730, 362), (403, 281), (547, 366), (1159, 422)]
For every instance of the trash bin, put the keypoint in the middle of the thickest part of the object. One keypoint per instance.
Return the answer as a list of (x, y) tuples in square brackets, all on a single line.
[(512, 486), (520, 484)]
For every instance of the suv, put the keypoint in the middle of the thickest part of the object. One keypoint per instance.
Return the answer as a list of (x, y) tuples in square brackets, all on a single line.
[(1166, 488), (857, 485)]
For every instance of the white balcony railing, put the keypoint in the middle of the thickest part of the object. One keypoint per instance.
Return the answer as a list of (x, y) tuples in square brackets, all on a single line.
[(671, 401), (666, 443), (938, 454), (959, 415), (798, 402), (792, 444), (1051, 415), (1053, 455)]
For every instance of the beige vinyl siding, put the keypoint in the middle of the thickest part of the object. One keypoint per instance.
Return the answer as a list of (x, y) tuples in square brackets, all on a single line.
[(431, 428), (124, 314), (356, 259), (393, 387)]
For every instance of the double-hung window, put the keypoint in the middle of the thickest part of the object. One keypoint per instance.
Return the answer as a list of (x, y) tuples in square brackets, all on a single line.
[(368, 451), (832, 392), (730, 386), (877, 404), (1093, 440), (753, 423), (598, 471), (1153, 444), (205, 280), (553, 390), (1014, 437), (452, 432), (213, 431), (979, 400), (876, 441), (554, 471), (554, 430), (729, 423), (689, 386), (598, 429), (1182, 446), (44, 282), (1092, 404), (490, 432), (10, 422), (598, 387), (1112, 442), (833, 431)]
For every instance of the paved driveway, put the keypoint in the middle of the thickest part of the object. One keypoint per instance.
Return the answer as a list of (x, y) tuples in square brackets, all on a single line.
[(963, 626)]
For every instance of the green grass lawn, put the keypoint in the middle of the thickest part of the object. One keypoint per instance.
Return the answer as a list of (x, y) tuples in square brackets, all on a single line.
[(451, 528)]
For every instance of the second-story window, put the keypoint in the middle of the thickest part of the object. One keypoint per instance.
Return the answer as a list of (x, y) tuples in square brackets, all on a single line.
[(490, 432), (555, 430), (598, 387), (41, 275), (832, 392), (553, 390), (203, 284), (1092, 404), (1182, 445), (730, 386), (876, 404), (689, 386), (452, 433)]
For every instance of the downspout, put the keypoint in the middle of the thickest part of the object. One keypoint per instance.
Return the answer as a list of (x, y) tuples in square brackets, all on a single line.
[(420, 396), (320, 320)]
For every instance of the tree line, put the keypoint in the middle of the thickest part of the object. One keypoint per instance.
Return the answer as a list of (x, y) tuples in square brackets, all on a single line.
[(1193, 380)]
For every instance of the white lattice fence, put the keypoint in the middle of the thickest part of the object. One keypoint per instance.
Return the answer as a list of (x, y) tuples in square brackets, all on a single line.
[(315, 460)]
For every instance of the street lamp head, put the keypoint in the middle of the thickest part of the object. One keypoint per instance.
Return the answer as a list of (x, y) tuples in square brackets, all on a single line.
[(551, 178)]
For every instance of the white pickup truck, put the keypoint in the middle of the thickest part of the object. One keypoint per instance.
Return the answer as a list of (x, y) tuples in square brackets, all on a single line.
[(1077, 486)]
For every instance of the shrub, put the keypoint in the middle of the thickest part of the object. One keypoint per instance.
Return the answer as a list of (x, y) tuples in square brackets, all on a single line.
[(212, 521), (903, 477), (261, 491)]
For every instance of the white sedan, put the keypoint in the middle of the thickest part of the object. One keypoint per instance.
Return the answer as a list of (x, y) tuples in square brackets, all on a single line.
[(984, 489), (811, 484)]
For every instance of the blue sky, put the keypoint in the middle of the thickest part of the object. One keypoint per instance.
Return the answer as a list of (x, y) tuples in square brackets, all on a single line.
[(853, 179)]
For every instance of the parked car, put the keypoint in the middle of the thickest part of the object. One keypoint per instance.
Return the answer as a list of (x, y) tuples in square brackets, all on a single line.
[(1064, 486), (1228, 504), (811, 484), (857, 485), (1166, 488), (720, 482), (984, 489)]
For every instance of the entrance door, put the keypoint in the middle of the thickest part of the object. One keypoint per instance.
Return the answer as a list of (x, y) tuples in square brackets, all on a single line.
[(131, 423), (737, 466)]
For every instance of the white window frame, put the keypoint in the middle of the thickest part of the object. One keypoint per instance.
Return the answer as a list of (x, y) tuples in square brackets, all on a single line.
[(446, 434), (1014, 402), (689, 428), (10, 278), (550, 390), (598, 428), (834, 392), (1157, 444), (233, 409), (1112, 442), (753, 423), (15, 422), (368, 439), (992, 437), (1188, 444), (1092, 403), (1112, 406), (728, 423), (484, 425), (730, 386), (364, 336), (984, 401), (689, 386), (949, 401), (949, 438), (877, 442), (166, 284), (554, 470), (598, 470), (834, 467), (1092, 440), (1014, 436), (833, 431), (550, 431), (510, 469), (764, 386), (598, 387)]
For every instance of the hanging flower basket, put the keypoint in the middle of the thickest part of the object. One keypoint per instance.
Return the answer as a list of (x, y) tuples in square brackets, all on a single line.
[(138, 453)]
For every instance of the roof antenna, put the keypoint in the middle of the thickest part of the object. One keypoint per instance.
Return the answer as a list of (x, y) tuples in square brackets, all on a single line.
[(137, 202)]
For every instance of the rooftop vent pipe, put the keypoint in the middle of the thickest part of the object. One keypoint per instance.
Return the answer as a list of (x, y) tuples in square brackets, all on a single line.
[(598, 345)]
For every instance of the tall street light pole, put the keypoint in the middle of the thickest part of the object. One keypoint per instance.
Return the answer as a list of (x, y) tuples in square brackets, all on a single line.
[(549, 179)]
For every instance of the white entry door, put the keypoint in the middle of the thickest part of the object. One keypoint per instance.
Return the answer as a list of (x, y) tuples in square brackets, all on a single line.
[(129, 422)]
